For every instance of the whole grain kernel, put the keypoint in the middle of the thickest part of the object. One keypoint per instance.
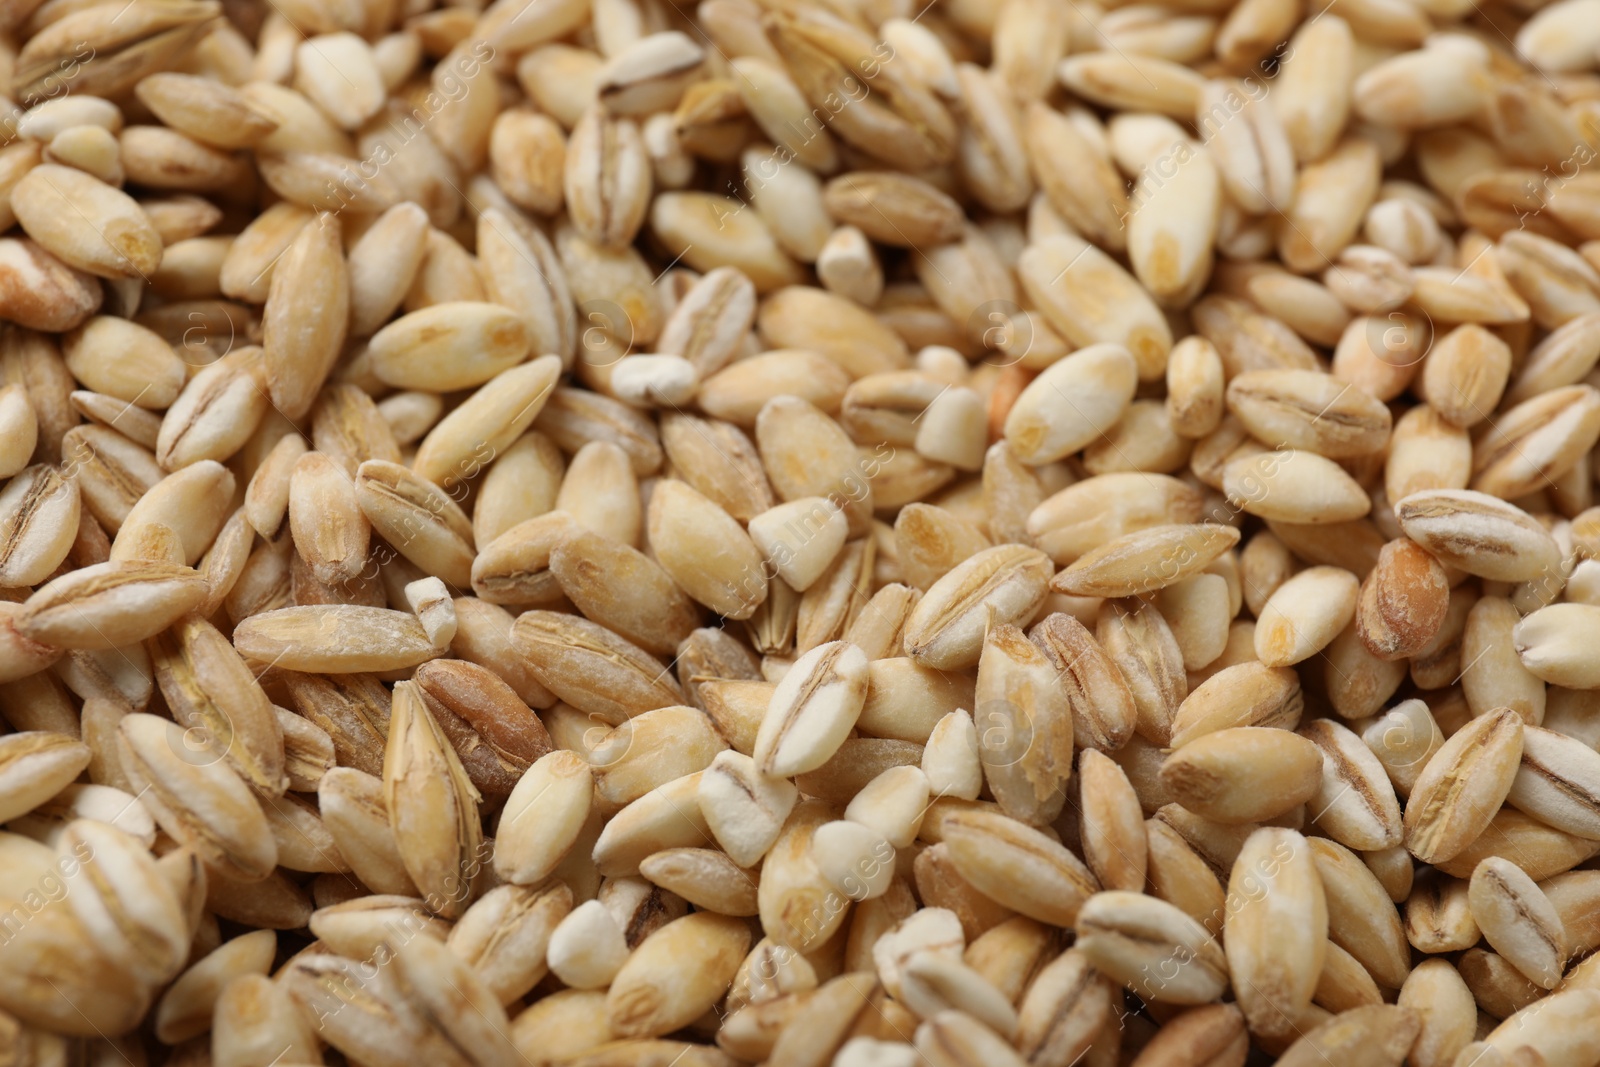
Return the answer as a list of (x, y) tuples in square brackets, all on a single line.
[(705, 551), (1243, 774), (1273, 880), (1146, 560), (1124, 932), (1082, 515), (1026, 727), (1071, 404), (1305, 614), (1403, 601), (1003, 584), (1294, 486), (1306, 409), (1518, 920), (1462, 785), (1492, 674), (1547, 642)]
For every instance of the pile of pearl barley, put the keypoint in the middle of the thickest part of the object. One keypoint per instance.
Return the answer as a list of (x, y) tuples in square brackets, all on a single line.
[(815, 533)]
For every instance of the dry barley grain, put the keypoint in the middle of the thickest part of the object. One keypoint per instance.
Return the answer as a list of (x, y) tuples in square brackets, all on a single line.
[(1518, 920), (1462, 785), (1002, 584), (301, 347), (199, 800), (1276, 928)]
